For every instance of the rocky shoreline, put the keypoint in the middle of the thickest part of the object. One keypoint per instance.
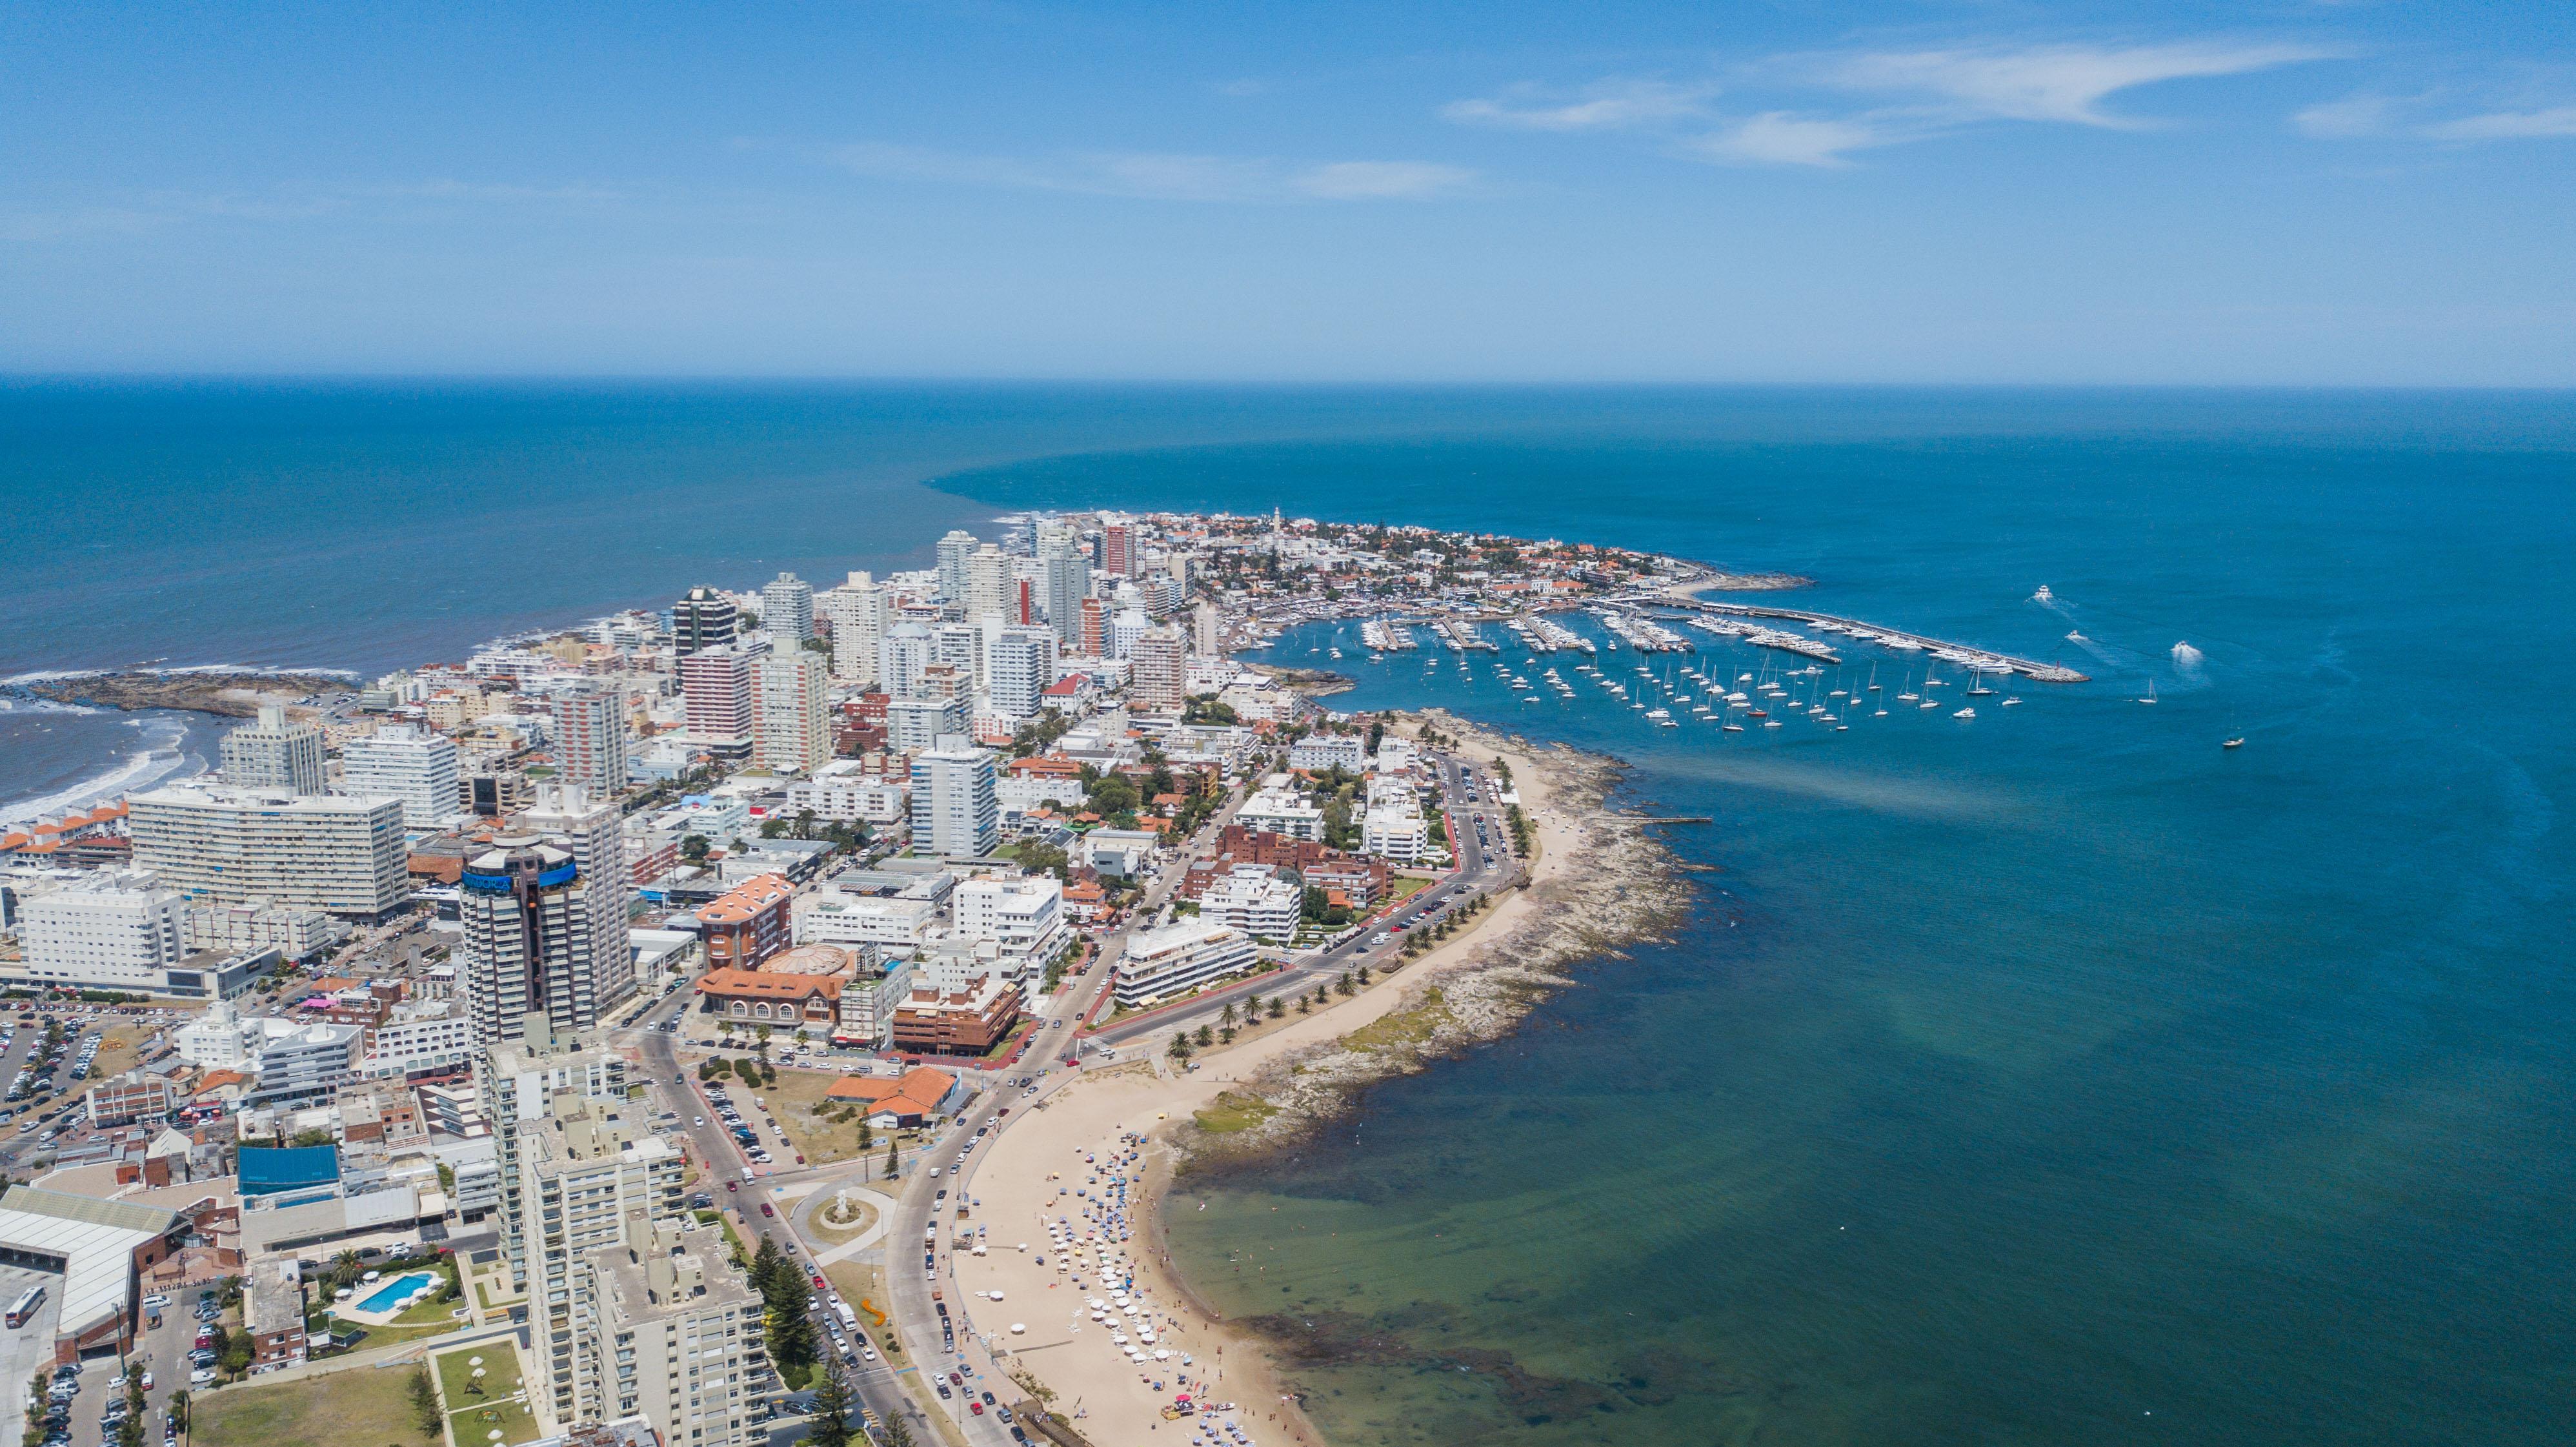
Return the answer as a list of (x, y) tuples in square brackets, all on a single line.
[(227, 693), (1312, 682), (1615, 886)]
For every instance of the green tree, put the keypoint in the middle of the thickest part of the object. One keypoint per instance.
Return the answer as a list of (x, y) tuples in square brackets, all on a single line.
[(1343, 985), (1251, 1005), (1364, 974), (693, 848), (1303, 1004), (791, 1337), (1206, 1037), (177, 1411), (893, 1163), (424, 1402), (1226, 1035), (761, 1034), (833, 1400), (764, 1264), (1226, 1015), (1276, 1008), (867, 1135), (897, 1434), (1180, 1046)]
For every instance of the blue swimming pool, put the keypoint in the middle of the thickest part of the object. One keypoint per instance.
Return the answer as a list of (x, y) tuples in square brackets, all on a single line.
[(384, 1297)]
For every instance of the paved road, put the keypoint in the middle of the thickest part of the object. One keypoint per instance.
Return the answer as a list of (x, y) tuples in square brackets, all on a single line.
[(935, 1167), (1483, 868)]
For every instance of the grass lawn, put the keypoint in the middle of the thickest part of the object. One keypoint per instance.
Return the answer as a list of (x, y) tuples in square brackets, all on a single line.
[(369, 1406), (474, 1426), (400, 1331), (1232, 1112), (794, 1101), (1400, 889), (500, 1374)]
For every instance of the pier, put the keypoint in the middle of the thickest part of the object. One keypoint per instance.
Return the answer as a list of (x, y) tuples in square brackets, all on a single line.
[(1712, 615)]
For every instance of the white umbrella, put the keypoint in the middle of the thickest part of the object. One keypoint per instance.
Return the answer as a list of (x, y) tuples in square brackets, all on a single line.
[(1019, 1328), (1162, 1354)]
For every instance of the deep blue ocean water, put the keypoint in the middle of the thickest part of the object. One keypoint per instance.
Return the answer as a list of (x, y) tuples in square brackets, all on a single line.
[(2053, 1077)]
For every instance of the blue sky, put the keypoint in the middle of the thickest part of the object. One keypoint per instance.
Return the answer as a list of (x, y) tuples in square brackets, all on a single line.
[(2372, 193)]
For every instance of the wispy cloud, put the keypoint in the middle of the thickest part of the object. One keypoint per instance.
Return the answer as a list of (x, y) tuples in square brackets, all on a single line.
[(1778, 138), (1602, 106), (1153, 176), (2363, 116), (2061, 83), (2554, 122)]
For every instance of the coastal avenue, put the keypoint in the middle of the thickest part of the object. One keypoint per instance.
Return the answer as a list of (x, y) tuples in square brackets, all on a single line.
[(1484, 866)]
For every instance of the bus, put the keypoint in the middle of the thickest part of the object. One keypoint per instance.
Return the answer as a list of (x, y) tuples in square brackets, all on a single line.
[(23, 1310)]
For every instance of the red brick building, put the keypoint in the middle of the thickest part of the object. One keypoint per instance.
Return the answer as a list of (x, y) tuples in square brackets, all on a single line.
[(747, 926)]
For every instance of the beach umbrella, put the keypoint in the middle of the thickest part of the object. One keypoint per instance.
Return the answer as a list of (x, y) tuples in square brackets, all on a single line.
[(1019, 1328)]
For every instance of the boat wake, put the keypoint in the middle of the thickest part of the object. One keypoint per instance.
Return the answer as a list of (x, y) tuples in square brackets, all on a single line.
[(2188, 662)]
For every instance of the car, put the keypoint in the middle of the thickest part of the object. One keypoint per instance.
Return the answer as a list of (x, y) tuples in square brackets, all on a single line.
[(800, 1159), (701, 1120), (820, 1284), (156, 1301), (766, 1210), (988, 1400), (202, 1376), (1004, 1413), (944, 1393), (975, 1407), (732, 1186), (147, 1379), (959, 1378), (748, 1175), (868, 1352)]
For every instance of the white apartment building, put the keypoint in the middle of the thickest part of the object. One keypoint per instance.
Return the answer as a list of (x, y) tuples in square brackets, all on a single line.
[(414, 767), (952, 551), (1023, 915), (590, 739), (988, 584), (294, 932), (789, 731), (1392, 826), (787, 610), (1159, 676), (1160, 964), (895, 925), (1019, 664), (1278, 809), (593, 829), (271, 753), (914, 724), (902, 654), (840, 792), (1256, 899), (1125, 627), (297, 1062), (954, 811), (1318, 753), (629, 1311), (221, 843), (855, 617), (528, 950), (106, 931), (420, 1035), (715, 686)]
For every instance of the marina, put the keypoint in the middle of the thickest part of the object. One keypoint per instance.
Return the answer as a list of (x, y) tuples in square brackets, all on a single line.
[(1710, 615)]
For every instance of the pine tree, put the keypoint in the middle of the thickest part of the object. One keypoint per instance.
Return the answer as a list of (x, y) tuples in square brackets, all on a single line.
[(424, 1402), (832, 1403), (893, 1162), (791, 1325), (764, 1265)]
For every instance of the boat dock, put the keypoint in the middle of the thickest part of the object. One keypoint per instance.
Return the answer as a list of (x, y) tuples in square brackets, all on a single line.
[(1642, 633), (1463, 637), (1720, 618), (1545, 635)]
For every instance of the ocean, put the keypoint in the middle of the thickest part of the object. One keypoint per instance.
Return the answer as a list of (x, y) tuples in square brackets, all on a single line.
[(2052, 1076)]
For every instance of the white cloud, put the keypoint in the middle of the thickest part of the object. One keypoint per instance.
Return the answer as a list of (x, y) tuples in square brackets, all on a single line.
[(2360, 115), (2063, 83), (1381, 180), (2507, 126), (1155, 176), (1779, 138), (1603, 106)]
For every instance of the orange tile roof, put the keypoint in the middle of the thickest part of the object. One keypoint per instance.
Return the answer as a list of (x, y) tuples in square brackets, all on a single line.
[(746, 900), (761, 984)]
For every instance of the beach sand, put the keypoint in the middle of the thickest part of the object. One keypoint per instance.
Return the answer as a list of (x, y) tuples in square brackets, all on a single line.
[(1019, 1186)]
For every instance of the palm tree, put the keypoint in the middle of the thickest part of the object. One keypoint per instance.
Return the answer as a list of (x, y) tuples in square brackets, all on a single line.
[(1227, 1015), (1180, 1048)]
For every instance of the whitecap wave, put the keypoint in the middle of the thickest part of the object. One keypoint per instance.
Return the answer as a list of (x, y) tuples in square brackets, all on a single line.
[(160, 759), (42, 705)]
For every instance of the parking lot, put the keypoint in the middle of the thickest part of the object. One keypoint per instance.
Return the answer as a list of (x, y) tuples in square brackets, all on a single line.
[(29, 1349)]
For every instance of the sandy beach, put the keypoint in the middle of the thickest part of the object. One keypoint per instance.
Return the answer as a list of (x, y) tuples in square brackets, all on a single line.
[(1595, 882)]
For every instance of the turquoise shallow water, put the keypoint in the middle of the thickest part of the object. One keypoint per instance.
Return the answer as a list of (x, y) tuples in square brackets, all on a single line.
[(2055, 1077), (2052, 1078)]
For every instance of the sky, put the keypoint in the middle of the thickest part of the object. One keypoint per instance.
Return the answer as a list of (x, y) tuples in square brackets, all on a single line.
[(2272, 192)]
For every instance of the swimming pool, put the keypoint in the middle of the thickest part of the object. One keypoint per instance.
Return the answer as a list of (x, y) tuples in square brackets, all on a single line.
[(389, 1295)]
